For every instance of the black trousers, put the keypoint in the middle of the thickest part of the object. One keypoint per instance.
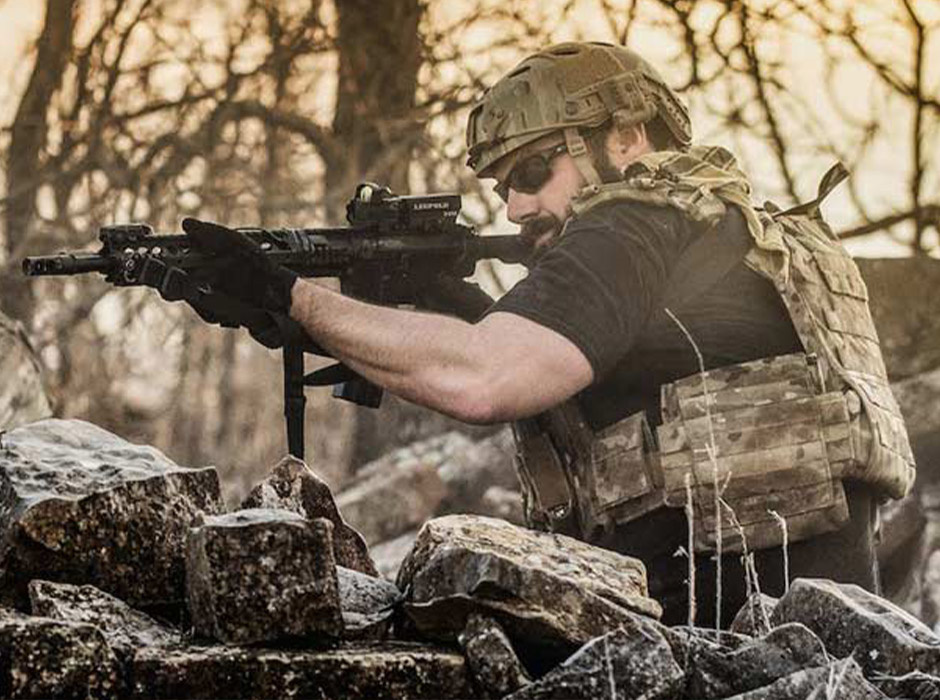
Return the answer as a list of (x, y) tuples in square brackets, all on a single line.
[(846, 555)]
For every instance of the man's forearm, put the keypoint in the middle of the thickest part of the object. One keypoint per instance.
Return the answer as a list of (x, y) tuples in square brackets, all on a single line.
[(429, 359)]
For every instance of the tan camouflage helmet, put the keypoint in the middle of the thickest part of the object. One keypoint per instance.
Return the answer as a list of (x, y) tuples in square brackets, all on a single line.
[(565, 87)]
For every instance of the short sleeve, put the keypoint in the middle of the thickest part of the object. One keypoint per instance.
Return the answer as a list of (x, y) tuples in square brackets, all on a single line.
[(598, 284)]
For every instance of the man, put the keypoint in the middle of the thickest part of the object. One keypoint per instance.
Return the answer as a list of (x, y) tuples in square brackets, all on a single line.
[(651, 264)]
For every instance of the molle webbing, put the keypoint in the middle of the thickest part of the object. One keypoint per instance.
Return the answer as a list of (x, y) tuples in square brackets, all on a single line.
[(817, 280)]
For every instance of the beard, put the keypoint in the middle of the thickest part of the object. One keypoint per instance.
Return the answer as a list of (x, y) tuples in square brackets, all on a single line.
[(540, 233)]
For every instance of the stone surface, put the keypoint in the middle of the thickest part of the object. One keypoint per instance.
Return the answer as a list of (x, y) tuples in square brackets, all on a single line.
[(393, 495), (367, 603), (470, 469), (717, 672), (124, 628), (841, 680), (81, 505), (631, 663), (917, 396), (263, 574), (492, 660), (22, 396), (389, 555), (915, 685), (292, 485), (850, 621), (901, 298), (381, 672), (43, 658), (499, 502), (547, 588), (754, 616)]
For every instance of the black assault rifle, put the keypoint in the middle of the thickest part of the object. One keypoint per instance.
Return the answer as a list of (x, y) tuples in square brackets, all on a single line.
[(393, 249)]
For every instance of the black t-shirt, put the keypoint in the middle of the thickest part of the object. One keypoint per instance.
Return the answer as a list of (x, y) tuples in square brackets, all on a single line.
[(602, 286)]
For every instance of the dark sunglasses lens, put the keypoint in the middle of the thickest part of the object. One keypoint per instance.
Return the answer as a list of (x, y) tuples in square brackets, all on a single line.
[(529, 175)]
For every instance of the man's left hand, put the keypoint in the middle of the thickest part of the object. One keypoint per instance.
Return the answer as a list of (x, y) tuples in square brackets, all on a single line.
[(244, 271)]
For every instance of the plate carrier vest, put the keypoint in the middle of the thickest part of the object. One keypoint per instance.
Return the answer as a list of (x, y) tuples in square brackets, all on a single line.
[(776, 436)]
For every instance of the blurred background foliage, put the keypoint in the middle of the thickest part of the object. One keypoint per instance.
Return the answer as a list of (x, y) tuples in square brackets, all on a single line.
[(268, 113)]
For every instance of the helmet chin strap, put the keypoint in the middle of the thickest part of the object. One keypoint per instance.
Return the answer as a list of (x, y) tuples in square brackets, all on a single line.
[(578, 150)]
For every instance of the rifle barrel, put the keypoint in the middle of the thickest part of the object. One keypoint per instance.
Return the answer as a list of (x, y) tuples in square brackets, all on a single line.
[(65, 264)]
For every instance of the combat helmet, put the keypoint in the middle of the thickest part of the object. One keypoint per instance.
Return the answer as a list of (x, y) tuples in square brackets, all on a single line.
[(564, 87)]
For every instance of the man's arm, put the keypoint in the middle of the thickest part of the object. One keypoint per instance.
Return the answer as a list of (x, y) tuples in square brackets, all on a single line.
[(502, 368)]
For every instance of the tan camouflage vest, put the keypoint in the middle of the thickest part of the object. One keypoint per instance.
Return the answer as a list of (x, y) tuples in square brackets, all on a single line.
[(777, 436)]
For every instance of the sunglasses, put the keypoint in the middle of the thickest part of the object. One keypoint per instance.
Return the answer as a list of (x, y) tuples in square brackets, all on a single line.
[(531, 173)]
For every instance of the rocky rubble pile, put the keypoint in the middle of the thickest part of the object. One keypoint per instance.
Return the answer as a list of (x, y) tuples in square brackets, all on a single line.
[(124, 578), (391, 498)]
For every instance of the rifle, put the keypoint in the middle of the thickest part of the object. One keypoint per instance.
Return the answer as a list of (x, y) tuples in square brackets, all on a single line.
[(393, 248)]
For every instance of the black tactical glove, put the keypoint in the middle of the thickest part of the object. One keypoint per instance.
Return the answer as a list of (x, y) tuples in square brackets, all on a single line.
[(266, 327), (451, 295), (243, 270)]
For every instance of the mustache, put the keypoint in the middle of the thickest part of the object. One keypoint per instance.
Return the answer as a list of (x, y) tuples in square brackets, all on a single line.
[(534, 228)]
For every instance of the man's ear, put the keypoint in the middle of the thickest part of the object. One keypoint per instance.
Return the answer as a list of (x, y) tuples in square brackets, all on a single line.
[(628, 137)]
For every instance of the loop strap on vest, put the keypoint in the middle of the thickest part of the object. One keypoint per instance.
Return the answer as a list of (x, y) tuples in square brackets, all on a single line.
[(833, 177)]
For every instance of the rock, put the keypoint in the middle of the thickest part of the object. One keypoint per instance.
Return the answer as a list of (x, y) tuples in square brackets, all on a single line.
[(392, 496), (80, 505), (43, 658), (909, 331), (499, 502), (631, 663), (753, 618), (389, 555), (900, 551), (126, 630), (292, 485), (917, 396), (263, 574), (840, 680), (916, 685), (367, 604), (470, 469), (930, 592), (388, 671), (545, 588), (492, 660), (850, 621), (22, 396), (717, 672)]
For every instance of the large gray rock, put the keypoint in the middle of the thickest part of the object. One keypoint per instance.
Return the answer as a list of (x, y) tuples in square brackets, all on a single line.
[(541, 587), (491, 658), (386, 672), (368, 604), (80, 505), (263, 574), (917, 397), (43, 658), (850, 621), (634, 662), (901, 292), (716, 671), (500, 502), (841, 680), (469, 469), (753, 618), (292, 485), (22, 396), (125, 629), (393, 495), (389, 555)]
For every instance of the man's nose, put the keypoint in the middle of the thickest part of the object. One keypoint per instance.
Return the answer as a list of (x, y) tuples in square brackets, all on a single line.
[(520, 206)]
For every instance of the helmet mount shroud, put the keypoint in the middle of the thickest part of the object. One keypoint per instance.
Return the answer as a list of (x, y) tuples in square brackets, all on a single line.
[(566, 88)]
